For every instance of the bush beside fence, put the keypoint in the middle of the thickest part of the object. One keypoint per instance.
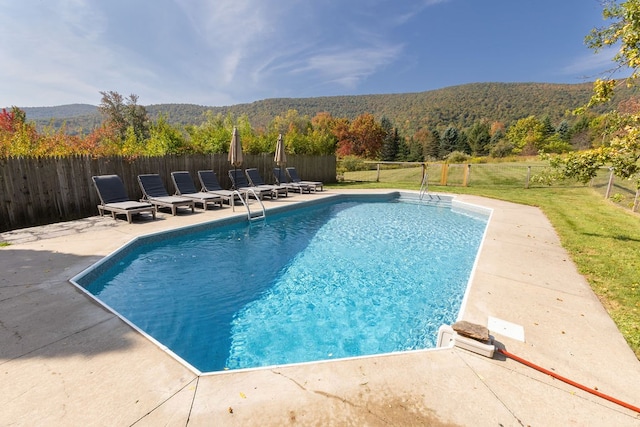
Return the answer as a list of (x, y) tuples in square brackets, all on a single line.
[(38, 191)]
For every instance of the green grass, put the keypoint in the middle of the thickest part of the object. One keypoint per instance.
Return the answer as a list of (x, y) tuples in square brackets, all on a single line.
[(602, 239), (3, 244)]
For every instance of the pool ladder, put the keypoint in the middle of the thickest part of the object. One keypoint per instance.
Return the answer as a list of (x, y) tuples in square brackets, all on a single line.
[(424, 186), (252, 216)]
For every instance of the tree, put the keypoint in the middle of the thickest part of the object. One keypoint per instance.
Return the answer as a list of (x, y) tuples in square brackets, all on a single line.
[(623, 31), (366, 136), (580, 134), (564, 131), (404, 151), (622, 152), (526, 135), (165, 139), (428, 144), (322, 138), (344, 139), (17, 137), (112, 110), (212, 136), (449, 141), (478, 137), (120, 113), (390, 142), (431, 143)]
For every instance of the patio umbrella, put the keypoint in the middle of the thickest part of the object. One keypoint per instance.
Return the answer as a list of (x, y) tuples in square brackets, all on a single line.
[(280, 157), (235, 149)]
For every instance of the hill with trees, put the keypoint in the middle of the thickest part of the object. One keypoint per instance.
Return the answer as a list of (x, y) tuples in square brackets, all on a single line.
[(458, 106), (478, 120)]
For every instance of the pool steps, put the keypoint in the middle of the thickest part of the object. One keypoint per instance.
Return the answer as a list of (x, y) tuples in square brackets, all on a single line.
[(252, 216)]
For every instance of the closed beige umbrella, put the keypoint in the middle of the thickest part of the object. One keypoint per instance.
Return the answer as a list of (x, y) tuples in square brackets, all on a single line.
[(280, 157), (235, 149)]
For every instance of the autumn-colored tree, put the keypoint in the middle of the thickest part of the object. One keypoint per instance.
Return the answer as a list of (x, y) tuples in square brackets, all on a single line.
[(322, 137), (292, 121), (344, 139), (103, 141), (497, 127), (366, 136), (57, 143), (8, 124), (17, 137)]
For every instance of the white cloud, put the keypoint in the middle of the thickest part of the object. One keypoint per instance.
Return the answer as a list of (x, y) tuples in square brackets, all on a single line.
[(415, 9), (348, 66)]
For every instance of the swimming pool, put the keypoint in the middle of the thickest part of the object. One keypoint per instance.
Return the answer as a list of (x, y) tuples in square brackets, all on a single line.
[(341, 278)]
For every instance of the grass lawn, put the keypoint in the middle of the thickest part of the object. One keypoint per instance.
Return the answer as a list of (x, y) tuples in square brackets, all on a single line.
[(602, 239)]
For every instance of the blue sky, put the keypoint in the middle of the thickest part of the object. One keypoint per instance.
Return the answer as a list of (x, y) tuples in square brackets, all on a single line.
[(225, 52)]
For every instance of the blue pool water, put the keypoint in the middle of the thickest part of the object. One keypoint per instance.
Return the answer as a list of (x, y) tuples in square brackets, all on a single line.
[(328, 281)]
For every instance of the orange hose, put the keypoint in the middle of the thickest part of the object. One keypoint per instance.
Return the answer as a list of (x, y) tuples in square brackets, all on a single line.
[(568, 381)]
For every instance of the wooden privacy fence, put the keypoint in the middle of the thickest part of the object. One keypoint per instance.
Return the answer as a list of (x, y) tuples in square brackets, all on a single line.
[(38, 191)]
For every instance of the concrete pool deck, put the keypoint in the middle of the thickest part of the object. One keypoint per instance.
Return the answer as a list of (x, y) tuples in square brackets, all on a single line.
[(65, 360)]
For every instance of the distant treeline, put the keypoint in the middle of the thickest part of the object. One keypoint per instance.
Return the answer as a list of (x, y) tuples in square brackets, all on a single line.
[(458, 106), (496, 119)]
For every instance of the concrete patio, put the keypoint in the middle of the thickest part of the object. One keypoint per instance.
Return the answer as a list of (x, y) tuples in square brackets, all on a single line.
[(65, 360)]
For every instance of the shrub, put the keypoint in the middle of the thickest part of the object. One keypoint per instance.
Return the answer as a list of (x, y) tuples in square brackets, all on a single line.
[(352, 164), (457, 157)]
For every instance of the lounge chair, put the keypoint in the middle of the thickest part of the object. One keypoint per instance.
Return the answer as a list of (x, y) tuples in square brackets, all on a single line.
[(210, 184), (282, 178), (113, 198), (154, 192), (185, 188), (256, 181), (293, 174), (240, 183)]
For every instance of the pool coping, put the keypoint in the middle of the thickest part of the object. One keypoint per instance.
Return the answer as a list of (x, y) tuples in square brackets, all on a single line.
[(65, 360)]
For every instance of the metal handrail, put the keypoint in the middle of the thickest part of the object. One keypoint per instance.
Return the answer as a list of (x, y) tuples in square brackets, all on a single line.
[(424, 185), (251, 216)]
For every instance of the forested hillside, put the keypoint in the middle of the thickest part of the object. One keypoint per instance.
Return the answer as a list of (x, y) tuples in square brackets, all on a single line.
[(458, 106)]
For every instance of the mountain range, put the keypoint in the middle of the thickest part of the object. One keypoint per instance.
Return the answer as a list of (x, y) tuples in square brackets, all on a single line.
[(458, 106)]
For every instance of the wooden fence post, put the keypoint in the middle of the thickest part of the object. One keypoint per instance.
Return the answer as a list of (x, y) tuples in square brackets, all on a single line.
[(465, 176), (610, 184), (444, 174)]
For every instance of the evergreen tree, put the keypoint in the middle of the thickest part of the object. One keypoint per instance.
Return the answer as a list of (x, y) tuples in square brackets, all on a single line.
[(390, 142), (415, 151), (432, 145), (563, 130), (478, 138), (449, 141), (547, 127), (403, 151), (463, 143)]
